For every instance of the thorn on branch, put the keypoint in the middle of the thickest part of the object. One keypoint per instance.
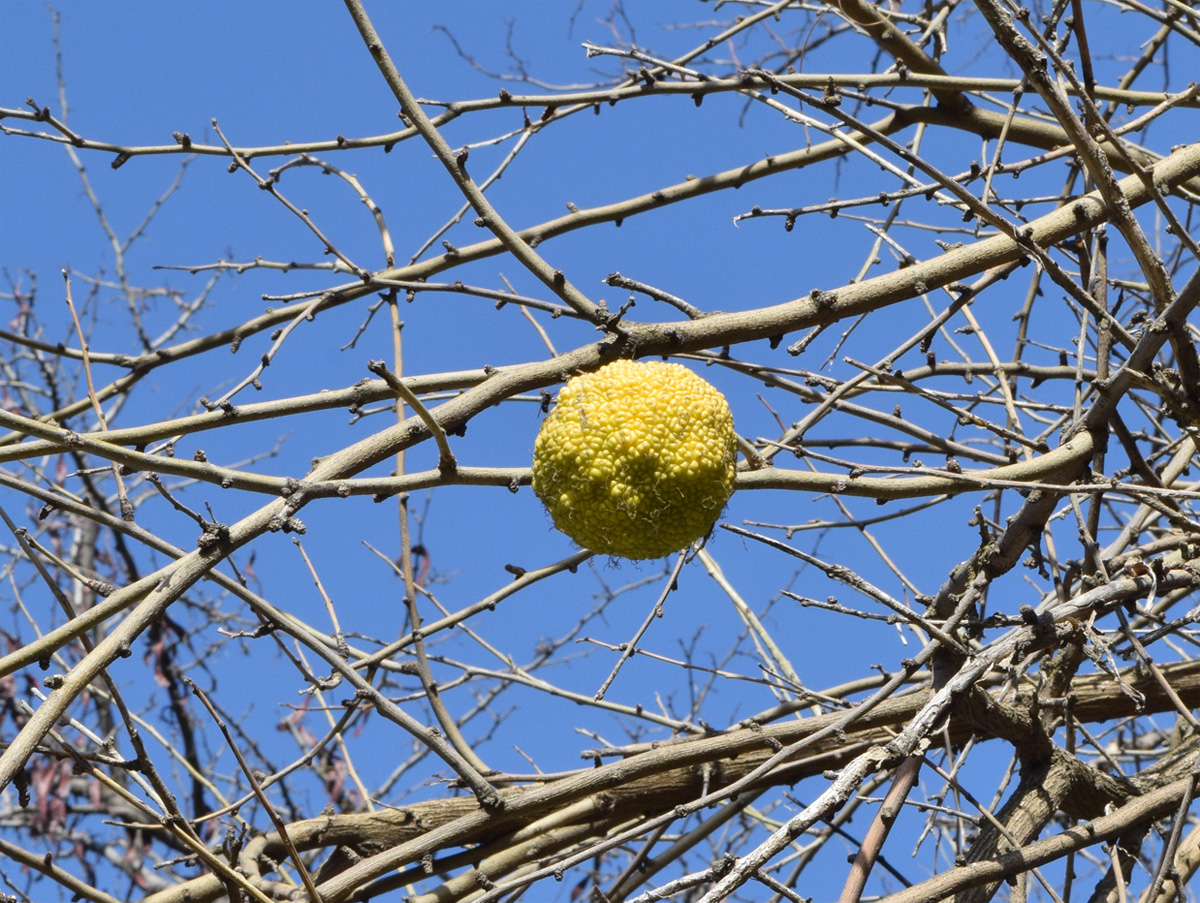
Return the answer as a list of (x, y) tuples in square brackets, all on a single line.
[(446, 461)]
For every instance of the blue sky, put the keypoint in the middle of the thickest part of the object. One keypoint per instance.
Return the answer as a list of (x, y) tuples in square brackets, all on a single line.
[(274, 72)]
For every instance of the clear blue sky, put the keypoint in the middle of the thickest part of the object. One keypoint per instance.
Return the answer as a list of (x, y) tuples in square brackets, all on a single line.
[(136, 72)]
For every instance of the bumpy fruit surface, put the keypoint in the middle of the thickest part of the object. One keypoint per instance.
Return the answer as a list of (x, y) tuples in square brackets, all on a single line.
[(636, 459)]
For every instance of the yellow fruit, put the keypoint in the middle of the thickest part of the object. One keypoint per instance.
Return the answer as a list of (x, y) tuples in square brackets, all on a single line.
[(636, 459)]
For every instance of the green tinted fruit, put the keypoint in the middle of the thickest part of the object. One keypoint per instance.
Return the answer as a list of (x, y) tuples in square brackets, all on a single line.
[(636, 459)]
